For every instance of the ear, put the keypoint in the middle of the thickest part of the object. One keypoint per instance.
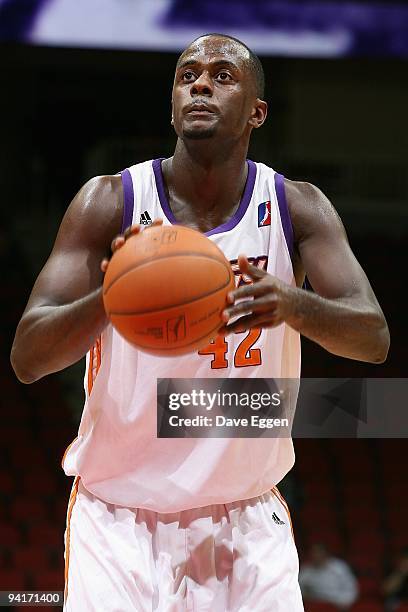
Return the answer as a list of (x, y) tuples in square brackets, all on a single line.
[(258, 114)]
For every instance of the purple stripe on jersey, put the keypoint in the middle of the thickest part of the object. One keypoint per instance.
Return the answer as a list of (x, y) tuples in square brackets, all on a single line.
[(158, 174), (284, 211), (243, 205), (128, 199), (228, 225)]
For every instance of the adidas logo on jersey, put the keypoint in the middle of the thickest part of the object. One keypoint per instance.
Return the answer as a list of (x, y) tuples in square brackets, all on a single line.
[(145, 218), (277, 519)]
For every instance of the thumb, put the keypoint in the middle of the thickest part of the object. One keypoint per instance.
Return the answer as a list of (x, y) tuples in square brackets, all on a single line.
[(246, 268)]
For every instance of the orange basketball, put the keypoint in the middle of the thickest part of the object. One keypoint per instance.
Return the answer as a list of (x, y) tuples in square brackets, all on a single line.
[(165, 289)]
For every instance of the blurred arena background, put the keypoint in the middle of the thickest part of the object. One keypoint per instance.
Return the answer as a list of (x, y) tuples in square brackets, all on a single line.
[(86, 91)]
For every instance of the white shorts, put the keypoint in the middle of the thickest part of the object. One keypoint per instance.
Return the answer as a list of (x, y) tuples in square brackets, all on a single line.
[(230, 557)]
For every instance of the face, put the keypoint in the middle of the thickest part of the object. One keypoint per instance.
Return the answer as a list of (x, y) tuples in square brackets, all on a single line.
[(214, 93), (318, 555)]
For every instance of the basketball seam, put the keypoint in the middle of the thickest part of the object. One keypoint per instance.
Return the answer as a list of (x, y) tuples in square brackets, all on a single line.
[(164, 308), (147, 261)]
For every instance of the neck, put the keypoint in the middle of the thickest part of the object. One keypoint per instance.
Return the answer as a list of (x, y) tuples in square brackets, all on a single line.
[(206, 179)]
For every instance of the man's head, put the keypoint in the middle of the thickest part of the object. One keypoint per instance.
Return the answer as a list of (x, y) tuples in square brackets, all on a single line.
[(218, 89), (318, 554)]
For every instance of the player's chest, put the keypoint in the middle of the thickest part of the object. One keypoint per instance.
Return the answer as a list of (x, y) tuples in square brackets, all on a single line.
[(252, 234)]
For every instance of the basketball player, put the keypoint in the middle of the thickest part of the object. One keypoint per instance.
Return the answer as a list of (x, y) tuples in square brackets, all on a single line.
[(193, 524)]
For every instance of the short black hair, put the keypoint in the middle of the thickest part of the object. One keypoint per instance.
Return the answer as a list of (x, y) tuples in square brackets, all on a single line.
[(254, 61)]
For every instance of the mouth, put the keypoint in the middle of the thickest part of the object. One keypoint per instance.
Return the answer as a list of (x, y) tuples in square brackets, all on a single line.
[(199, 109)]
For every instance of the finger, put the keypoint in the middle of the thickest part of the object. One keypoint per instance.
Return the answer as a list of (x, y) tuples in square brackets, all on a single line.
[(156, 222), (132, 230), (245, 291), (262, 304), (242, 308), (117, 243), (243, 262), (253, 321), (224, 331), (250, 270), (104, 264)]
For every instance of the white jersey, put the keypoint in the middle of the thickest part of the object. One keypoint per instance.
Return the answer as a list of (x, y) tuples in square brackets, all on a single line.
[(117, 453)]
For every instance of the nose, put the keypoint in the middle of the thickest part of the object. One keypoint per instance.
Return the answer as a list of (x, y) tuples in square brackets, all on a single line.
[(202, 86)]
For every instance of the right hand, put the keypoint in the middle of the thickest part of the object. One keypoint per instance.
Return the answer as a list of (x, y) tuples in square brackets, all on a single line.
[(120, 240)]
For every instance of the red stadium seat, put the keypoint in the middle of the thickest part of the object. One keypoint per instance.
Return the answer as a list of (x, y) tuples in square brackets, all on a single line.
[(347, 446), (369, 605), (40, 483), (391, 445), (11, 432), (366, 564), (7, 483), (24, 456), (319, 489), (9, 535), (31, 558), (355, 517), (50, 580), (321, 514), (319, 606), (354, 464), (396, 491), (12, 580), (330, 538), (28, 510), (369, 587), (398, 540), (4, 512), (396, 518), (44, 534), (358, 493), (390, 452), (308, 467), (371, 542)]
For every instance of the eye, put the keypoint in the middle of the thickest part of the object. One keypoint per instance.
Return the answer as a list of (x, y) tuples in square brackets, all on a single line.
[(224, 76), (188, 75)]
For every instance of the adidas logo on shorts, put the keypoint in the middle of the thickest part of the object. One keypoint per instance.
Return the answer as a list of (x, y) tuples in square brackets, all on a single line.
[(277, 519), (145, 218)]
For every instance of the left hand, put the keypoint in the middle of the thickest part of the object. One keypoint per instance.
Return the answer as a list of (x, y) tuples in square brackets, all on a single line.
[(270, 301)]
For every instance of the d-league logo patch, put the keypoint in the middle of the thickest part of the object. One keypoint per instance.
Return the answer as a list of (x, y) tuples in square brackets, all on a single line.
[(264, 214), (145, 218)]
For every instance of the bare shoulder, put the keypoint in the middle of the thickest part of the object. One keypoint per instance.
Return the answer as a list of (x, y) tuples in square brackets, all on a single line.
[(95, 213), (104, 194), (310, 209)]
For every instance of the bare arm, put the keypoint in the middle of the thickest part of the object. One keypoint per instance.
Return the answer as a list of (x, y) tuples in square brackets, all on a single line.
[(395, 581), (343, 316), (65, 310)]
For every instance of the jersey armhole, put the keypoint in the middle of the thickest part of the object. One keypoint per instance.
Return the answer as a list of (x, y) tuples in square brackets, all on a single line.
[(284, 212), (128, 199)]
